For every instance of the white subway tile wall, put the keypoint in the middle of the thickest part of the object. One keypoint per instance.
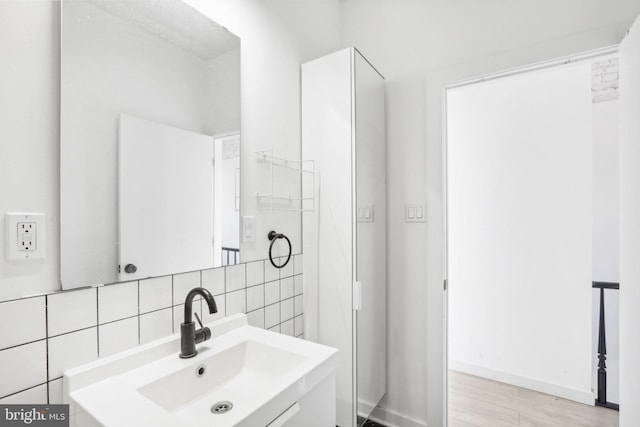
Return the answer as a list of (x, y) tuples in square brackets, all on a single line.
[(62, 330)]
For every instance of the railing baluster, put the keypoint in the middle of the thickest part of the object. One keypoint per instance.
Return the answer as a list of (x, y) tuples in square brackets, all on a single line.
[(602, 348), (602, 355)]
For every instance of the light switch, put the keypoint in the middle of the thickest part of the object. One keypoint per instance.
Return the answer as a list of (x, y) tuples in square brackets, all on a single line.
[(415, 212), (365, 213)]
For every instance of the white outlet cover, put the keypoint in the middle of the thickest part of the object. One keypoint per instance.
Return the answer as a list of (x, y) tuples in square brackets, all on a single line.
[(12, 236)]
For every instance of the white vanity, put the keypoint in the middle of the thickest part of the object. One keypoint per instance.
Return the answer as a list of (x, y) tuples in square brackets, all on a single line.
[(242, 376)]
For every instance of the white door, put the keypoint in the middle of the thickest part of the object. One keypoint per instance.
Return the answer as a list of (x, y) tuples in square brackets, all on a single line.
[(165, 197)]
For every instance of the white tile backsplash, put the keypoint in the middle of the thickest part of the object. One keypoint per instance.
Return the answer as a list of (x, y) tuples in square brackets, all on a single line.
[(298, 305), (213, 280), (286, 309), (298, 284), (117, 302), (255, 297), (70, 311), (271, 315), (156, 325), (271, 292), (299, 325), (236, 302), (117, 336), (275, 328), (36, 395), (71, 350), (182, 284), (287, 328), (270, 272), (55, 392), (236, 278), (256, 318), (23, 367), (286, 288), (22, 321), (297, 264), (287, 270), (255, 273), (155, 293), (108, 319)]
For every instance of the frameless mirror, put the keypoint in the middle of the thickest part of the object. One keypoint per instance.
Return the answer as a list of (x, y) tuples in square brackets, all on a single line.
[(149, 141)]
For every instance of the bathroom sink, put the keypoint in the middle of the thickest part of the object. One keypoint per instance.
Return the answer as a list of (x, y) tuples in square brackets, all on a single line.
[(242, 376)]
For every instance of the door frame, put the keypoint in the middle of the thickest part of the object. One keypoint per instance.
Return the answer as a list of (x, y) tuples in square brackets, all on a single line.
[(447, 85)]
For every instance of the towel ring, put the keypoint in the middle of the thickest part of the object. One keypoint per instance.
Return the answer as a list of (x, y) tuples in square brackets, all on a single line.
[(273, 236)]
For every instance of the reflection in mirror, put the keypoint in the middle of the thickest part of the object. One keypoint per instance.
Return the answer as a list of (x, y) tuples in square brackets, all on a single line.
[(150, 96)]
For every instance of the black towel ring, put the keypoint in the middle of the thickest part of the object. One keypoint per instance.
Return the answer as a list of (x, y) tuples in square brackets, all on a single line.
[(273, 236)]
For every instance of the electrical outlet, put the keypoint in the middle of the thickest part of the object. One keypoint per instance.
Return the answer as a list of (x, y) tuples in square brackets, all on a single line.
[(27, 236), (24, 235)]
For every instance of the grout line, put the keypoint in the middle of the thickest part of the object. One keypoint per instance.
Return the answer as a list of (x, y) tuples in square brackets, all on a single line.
[(46, 346), (139, 313), (72, 332), (246, 298), (173, 320), (24, 343), (29, 388), (97, 323)]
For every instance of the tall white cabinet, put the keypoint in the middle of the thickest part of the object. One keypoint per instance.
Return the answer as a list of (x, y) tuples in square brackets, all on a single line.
[(344, 238)]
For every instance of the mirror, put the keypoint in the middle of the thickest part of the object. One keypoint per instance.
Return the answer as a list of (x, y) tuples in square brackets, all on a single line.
[(149, 141)]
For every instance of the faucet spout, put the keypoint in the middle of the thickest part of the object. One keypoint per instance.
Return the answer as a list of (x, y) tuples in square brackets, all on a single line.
[(188, 303), (189, 336)]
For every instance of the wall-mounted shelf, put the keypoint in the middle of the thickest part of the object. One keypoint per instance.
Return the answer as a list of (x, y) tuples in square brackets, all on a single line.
[(278, 201)]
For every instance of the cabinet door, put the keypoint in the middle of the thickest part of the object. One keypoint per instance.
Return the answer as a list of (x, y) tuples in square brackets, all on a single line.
[(370, 154)]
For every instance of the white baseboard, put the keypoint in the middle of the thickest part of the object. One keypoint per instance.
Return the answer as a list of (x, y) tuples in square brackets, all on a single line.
[(393, 419), (580, 396)]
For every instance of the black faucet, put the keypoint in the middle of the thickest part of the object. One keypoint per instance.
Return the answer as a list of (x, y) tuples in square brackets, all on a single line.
[(189, 337)]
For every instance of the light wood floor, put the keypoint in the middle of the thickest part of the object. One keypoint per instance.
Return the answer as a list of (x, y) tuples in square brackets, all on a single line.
[(478, 402)]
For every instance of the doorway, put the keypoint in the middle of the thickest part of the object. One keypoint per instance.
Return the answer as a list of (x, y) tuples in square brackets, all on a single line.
[(523, 228)]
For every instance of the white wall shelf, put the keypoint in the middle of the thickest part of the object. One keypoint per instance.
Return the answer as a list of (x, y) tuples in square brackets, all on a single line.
[(278, 201)]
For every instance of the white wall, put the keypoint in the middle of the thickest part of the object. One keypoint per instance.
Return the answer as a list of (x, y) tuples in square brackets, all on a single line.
[(605, 191), (276, 39), (447, 42), (519, 174), (29, 83), (629, 228)]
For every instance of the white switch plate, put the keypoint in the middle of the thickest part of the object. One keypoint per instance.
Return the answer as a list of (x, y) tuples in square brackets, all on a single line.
[(25, 236), (365, 213), (248, 229), (415, 212)]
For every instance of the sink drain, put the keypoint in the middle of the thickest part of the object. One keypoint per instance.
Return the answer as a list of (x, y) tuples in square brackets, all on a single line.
[(221, 407)]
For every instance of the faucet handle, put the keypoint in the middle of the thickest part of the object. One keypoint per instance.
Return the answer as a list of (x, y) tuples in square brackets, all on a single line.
[(198, 319)]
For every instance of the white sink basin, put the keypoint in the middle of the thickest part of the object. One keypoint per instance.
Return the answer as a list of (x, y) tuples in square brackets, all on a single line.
[(260, 372)]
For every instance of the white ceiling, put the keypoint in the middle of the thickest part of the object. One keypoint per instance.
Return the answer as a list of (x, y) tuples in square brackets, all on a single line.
[(175, 22)]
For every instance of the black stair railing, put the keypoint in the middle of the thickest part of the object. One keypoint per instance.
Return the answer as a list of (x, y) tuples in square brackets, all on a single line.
[(602, 348)]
